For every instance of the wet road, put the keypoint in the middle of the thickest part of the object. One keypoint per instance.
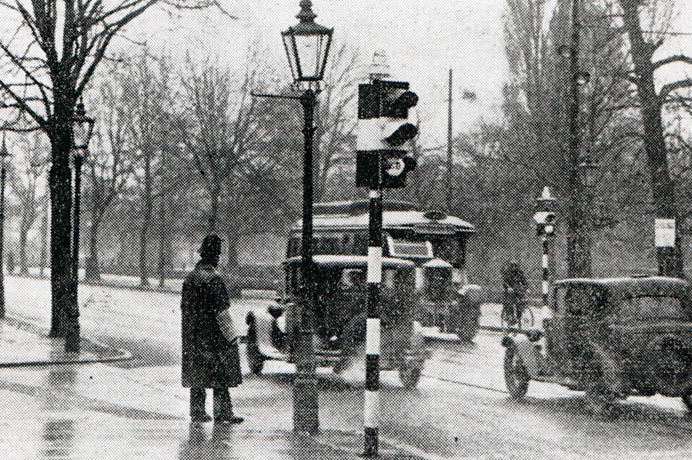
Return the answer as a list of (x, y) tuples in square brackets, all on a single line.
[(460, 409)]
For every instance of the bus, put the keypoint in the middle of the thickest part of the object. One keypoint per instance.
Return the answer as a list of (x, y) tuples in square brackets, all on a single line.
[(434, 241)]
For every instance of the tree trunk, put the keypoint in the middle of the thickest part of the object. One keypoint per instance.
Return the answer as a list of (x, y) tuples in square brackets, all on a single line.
[(670, 260), (44, 241), (143, 244), (92, 271), (214, 211), (146, 224), (63, 290), (23, 231), (163, 242), (233, 284)]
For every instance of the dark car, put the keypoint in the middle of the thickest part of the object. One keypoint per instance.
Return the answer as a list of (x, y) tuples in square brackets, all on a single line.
[(611, 338), (340, 317)]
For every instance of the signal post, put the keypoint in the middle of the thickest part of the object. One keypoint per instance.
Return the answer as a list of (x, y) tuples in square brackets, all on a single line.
[(382, 161)]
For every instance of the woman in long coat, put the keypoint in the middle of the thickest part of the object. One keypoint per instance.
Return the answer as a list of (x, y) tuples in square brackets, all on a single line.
[(210, 349)]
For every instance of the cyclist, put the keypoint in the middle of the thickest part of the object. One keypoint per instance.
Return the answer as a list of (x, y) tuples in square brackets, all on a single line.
[(515, 286)]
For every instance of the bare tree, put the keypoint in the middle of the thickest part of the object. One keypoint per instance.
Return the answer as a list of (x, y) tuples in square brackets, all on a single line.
[(48, 60), (110, 163), (26, 181), (219, 129), (146, 87), (643, 45)]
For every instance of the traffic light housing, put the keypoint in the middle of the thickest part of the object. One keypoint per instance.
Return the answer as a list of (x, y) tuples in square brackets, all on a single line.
[(384, 134)]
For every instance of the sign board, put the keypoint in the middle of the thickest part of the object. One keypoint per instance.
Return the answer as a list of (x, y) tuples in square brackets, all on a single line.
[(664, 230)]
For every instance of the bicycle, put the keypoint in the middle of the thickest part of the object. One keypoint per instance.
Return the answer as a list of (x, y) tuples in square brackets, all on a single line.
[(516, 311)]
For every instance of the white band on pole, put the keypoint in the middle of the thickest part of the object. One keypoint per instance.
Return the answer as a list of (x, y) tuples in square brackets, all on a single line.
[(375, 193), (374, 265), (545, 287), (372, 339), (545, 260), (372, 403)]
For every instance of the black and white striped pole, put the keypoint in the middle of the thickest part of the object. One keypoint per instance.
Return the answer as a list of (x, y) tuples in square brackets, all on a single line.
[(372, 340), (545, 228)]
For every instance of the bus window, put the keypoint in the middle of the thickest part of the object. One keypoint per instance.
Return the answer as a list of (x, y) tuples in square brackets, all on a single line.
[(450, 250), (406, 248)]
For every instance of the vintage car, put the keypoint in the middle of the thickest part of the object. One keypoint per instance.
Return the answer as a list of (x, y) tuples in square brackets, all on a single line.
[(340, 314), (610, 338)]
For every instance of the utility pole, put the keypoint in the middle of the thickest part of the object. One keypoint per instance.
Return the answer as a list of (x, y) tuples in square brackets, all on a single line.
[(578, 244), (450, 162)]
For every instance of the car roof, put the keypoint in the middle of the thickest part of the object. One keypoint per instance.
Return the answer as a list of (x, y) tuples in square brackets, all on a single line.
[(351, 261), (632, 285)]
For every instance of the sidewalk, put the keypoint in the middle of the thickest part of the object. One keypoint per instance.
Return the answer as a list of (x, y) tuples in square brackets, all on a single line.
[(92, 405), (26, 344)]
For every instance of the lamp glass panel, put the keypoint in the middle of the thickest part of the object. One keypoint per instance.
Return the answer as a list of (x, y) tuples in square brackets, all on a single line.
[(309, 48), (81, 131), (291, 53)]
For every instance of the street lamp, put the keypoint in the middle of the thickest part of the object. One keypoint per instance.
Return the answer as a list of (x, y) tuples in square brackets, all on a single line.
[(307, 47), (545, 228), (588, 170), (82, 129), (4, 155)]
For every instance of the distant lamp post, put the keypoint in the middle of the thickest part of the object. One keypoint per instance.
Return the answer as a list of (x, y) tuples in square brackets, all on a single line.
[(82, 129), (307, 47), (545, 228), (4, 156), (588, 172)]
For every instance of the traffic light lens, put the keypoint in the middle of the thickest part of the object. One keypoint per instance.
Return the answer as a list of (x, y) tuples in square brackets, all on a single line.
[(404, 133)]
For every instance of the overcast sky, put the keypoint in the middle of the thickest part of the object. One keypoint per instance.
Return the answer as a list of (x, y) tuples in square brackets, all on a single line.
[(422, 39)]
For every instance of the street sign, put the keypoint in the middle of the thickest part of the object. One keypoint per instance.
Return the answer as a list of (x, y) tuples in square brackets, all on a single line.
[(664, 232)]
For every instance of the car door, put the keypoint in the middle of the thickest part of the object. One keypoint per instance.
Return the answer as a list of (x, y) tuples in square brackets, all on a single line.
[(555, 327)]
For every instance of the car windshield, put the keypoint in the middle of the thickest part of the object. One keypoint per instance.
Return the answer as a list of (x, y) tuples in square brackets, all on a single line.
[(652, 307)]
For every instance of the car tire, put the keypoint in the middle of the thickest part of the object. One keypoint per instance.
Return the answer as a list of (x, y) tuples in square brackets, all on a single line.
[(516, 376), (599, 400), (255, 359), (687, 399), (465, 322), (409, 376)]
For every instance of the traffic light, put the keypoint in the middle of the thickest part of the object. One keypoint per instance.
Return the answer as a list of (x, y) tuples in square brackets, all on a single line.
[(384, 134)]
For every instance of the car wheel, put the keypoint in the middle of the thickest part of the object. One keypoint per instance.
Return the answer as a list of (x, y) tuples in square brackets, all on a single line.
[(599, 401), (409, 376), (466, 323), (516, 376), (687, 399), (255, 359)]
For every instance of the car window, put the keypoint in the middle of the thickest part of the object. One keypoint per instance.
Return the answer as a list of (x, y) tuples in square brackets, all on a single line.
[(651, 307), (352, 279), (388, 278)]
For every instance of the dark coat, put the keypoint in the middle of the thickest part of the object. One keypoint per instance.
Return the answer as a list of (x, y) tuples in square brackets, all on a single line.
[(209, 360)]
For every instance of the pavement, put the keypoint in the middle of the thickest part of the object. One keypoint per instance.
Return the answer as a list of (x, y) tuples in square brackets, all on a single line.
[(95, 405)]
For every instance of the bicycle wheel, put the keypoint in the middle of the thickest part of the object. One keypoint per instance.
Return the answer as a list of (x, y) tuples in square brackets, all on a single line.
[(526, 320)]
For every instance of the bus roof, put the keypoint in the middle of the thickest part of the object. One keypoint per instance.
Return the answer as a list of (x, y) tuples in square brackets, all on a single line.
[(353, 215)]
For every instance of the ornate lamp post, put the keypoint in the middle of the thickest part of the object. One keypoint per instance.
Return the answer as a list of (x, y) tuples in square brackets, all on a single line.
[(4, 155), (82, 128), (545, 228), (307, 47)]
